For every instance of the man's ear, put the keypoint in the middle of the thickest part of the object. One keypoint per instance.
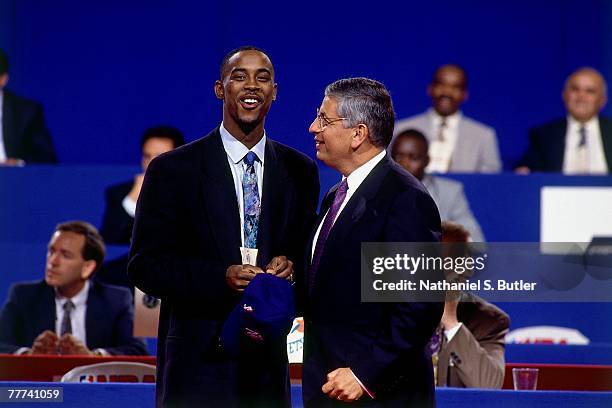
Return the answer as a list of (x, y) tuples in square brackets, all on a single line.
[(360, 135), (219, 91), (88, 269), (274, 91)]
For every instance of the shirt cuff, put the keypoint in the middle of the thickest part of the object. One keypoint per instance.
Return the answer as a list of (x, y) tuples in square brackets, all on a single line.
[(450, 333), (370, 393), (129, 206)]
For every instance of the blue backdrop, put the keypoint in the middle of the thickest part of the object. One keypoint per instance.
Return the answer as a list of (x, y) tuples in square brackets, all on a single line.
[(106, 70)]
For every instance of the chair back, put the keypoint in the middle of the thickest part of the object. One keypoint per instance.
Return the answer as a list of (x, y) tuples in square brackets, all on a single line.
[(114, 371)]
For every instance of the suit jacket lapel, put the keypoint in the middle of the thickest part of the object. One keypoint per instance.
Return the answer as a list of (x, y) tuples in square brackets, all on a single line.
[(220, 200), (94, 316), (605, 127), (557, 147), (463, 149), (9, 131), (325, 204), (45, 314), (358, 204), (275, 203)]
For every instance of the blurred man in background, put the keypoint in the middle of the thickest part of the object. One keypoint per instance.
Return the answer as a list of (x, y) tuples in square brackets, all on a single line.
[(456, 143), (121, 198), (581, 143), (24, 137), (468, 346), (67, 312), (410, 150)]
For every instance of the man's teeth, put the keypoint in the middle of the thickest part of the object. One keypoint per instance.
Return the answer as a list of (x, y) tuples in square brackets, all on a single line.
[(249, 100)]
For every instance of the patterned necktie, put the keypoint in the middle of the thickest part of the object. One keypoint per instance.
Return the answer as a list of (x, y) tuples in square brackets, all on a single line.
[(66, 326), (250, 200), (441, 130), (435, 343), (433, 349), (583, 140), (325, 230)]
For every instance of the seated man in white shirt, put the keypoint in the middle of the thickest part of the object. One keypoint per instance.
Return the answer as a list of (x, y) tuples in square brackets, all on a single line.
[(67, 313), (121, 198), (581, 143), (457, 144)]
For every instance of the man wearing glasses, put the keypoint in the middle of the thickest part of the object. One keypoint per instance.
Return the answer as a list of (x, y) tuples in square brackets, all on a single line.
[(211, 216), (355, 350)]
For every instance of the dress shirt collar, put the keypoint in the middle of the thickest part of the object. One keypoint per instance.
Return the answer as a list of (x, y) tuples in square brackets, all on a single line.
[(452, 121), (79, 300), (591, 126), (355, 179), (236, 150)]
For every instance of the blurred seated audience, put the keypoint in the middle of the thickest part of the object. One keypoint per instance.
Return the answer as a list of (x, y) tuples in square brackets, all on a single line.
[(409, 150), (581, 143), (468, 346), (24, 137), (457, 143), (121, 198), (67, 312)]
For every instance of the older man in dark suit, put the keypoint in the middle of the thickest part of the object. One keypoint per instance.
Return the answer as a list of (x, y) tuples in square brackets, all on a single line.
[(581, 143), (211, 215), (24, 137), (372, 353)]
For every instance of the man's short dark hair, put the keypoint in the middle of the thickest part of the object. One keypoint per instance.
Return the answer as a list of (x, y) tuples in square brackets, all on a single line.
[(94, 248), (235, 51), (364, 100), (453, 66), (415, 134), (4, 65), (165, 132)]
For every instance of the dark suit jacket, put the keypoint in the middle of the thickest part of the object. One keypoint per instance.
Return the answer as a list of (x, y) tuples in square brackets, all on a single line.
[(186, 234), (24, 131), (109, 319), (477, 349), (383, 343), (117, 225), (547, 146)]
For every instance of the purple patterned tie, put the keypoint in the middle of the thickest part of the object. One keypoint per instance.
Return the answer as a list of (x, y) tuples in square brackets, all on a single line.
[(328, 223)]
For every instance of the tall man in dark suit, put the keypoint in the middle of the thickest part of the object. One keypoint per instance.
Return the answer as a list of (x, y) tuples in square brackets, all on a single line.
[(24, 137), (201, 205), (581, 143), (370, 352), (67, 313)]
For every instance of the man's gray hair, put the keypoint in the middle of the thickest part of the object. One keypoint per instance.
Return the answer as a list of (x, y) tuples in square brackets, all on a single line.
[(363, 100)]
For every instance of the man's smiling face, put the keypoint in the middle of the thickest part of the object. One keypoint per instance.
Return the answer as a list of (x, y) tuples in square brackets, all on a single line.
[(247, 89)]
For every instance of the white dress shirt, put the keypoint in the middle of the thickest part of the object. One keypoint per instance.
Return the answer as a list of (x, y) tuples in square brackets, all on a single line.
[(235, 153), (2, 148), (129, 206), (353, 180), (77, 316), (441, 151), (587, 159)]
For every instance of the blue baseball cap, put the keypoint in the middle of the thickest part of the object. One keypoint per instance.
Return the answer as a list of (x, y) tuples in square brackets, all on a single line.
[(263, 316)]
